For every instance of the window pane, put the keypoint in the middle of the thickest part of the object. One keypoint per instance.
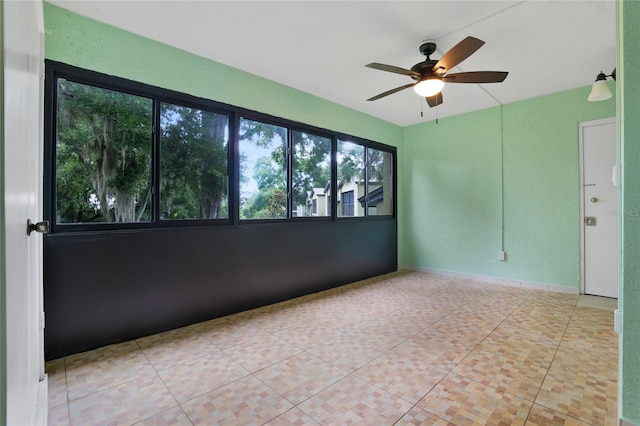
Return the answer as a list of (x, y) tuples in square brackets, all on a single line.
[(380, 189), (103, 155), (350, 185), (263, 170), (311, 172), (193, 163)]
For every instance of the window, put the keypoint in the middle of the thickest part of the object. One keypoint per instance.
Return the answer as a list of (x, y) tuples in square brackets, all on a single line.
[(125, 155), (347, 203), (311, 170), (263, 170), (193, 163), (379, 199), (350, 177), (103, 146)]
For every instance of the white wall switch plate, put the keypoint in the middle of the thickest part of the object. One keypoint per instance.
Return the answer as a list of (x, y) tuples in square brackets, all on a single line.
[(502, 255)]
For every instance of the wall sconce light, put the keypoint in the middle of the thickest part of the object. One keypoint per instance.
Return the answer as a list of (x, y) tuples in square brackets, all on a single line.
[(600, 89)]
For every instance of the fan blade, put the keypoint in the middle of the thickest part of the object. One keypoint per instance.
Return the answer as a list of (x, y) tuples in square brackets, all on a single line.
[(457, 54), (391, 68), (434, 100), (476, 77), (391, 92)]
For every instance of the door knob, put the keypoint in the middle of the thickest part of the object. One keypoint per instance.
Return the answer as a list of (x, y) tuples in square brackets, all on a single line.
[(590, 221), (41, 227), (594, 199)]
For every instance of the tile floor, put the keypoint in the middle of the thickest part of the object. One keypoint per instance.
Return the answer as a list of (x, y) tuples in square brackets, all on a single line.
[(407, 348)]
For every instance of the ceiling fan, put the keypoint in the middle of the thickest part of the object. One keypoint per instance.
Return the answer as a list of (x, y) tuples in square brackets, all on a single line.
[(431, 74)]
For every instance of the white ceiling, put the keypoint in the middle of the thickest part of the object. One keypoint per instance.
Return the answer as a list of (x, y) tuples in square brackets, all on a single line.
[(321, 47)]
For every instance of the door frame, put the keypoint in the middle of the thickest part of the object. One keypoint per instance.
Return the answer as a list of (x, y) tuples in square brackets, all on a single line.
[(581, 126), (12, 389)]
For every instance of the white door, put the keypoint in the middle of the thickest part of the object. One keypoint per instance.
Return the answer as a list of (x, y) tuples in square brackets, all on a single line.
[(600, 208), (22, 370)]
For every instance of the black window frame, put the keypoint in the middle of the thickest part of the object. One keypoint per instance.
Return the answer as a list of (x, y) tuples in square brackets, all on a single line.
[(55, 70)]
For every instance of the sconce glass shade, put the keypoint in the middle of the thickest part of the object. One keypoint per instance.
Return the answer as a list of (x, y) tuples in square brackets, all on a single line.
[(429, 87), (600, 89)]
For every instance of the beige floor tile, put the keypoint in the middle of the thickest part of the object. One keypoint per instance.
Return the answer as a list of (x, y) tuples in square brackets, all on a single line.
[(353, 401), (401, 375), (229, 331), (100, 369), (127, 403), (438, 349), (246, 401), (463, 401), (470, 327), (581, 395), (201, 375), (261, 352), (171, 417), (532, 331), (306, 335), (173, 347), (300, 377), (549, 300), (604, 303), (418, 417), (58, 415), (56, 382), (384, 333), (543, 416), (523, 348), (293, 417), (281, 322), (598, 362), (347, 353), (502, 371)]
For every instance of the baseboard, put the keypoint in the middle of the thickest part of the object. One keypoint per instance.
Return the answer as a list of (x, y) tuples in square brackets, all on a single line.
[(498, 281)]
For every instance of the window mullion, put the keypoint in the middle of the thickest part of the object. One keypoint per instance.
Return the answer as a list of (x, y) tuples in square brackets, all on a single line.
[(289, 168), (155, 163)]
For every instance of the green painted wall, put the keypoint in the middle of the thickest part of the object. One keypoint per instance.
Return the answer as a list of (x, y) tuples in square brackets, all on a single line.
[(453, 178), (629, 125)]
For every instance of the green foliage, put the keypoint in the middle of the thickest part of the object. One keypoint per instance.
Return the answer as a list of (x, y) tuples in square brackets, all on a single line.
[(103, 155), (193, 163), (350, 162), (311, 165), (269, 172)]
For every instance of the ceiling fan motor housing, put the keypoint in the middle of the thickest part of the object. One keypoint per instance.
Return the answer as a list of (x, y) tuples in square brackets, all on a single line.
[(424, 68)]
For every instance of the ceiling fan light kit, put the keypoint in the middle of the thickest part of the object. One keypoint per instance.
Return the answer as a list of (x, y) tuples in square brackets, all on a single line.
[(600, 90), (428, 87), (431, 75)]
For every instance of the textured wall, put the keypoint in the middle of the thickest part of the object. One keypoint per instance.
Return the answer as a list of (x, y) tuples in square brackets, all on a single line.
[(629, 111), (452, 173)]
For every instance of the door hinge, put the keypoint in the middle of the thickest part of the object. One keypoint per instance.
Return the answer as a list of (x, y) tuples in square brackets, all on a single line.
[(41, 319)]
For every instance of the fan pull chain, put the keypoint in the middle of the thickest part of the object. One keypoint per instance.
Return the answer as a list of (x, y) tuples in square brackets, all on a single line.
[(421, 109)]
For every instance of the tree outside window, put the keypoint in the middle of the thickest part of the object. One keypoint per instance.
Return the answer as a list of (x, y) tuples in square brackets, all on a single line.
[(103, 155)]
